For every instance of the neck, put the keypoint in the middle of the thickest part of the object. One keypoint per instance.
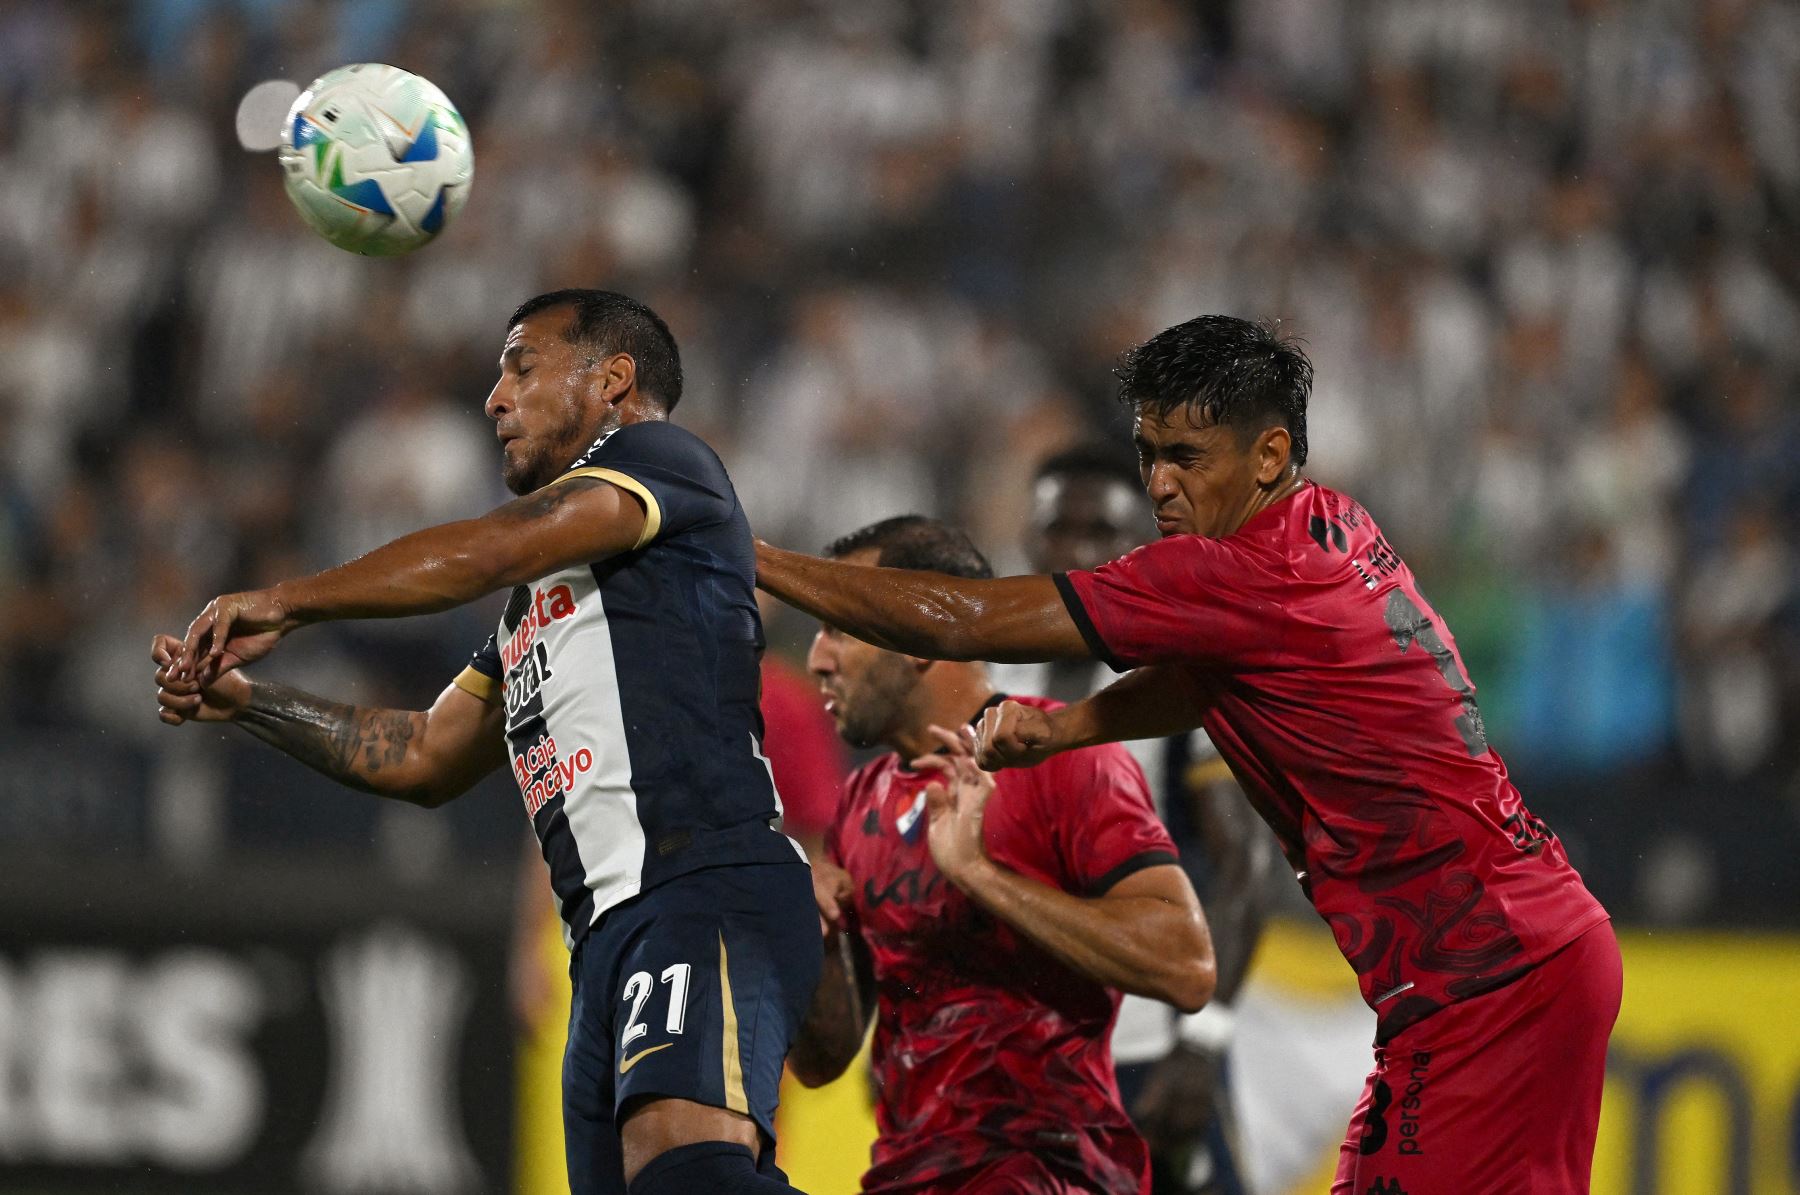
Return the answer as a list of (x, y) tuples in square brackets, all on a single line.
[(1262, 499), (952, 701)]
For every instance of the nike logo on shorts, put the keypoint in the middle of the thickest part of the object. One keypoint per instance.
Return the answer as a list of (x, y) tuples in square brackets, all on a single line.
[(626, 1064)]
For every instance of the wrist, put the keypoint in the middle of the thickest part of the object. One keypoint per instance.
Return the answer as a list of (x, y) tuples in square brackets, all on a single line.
[(239, 705), (1067, 729), (974, 876), (289, 598)]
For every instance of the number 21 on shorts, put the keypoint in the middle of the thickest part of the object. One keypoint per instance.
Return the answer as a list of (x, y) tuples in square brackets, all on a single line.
[(637, 993)]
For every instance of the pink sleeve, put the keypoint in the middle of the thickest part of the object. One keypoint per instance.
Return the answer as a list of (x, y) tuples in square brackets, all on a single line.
[(1185, 599), (1105, 824)]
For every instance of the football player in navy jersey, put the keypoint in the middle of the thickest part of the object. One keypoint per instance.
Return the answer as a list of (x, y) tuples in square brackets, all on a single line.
[(621, 689)]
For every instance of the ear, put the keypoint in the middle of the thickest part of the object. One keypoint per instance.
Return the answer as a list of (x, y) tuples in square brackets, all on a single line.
[(616, 376), (1273, 449)]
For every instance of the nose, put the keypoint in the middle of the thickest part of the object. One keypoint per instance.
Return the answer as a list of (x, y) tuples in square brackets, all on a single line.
[(821, 656), (498, 403), (1160, 485)]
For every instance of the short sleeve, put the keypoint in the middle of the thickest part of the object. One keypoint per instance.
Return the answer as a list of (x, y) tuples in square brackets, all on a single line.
[(1106, 826), (1185, 599), (482, 676), (670, 470)]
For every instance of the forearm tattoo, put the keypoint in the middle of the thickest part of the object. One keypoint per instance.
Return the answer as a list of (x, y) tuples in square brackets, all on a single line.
[(350, 744)]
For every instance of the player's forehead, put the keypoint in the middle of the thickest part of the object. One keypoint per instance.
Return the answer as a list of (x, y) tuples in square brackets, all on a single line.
[(1183, 424), (536, 332)]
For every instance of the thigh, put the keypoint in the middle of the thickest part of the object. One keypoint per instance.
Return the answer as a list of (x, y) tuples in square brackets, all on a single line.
[(1496, 1094), (590, 1128), (711, 986)]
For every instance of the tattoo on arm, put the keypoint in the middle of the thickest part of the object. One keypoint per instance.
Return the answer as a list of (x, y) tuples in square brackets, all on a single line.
[(362, 748)]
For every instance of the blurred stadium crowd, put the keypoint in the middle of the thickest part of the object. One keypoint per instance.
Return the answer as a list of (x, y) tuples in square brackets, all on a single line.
[(1543, 253)]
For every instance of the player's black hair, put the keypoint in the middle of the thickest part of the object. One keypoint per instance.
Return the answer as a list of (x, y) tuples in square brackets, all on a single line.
[(1230, 371), (608, 322), (1102, 461), (916, 542)]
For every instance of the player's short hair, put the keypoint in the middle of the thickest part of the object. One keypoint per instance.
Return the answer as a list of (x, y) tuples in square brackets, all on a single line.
[(919, 543), (1101, 461), (1231, 371), (608, 322)]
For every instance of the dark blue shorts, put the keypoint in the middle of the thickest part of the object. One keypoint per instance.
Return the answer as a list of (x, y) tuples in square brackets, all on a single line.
[(692, 990)]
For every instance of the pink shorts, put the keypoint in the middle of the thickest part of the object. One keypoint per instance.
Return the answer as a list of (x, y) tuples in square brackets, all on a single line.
[(1495, 1095)]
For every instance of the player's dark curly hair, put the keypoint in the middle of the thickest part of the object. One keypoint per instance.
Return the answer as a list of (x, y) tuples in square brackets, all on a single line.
[(607, 322), (916, 542), (1108, 461), (1230, 371)]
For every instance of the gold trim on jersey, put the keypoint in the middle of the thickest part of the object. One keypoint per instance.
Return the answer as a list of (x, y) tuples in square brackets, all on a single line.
[(630, 484), (735, 1098), (477, 683)]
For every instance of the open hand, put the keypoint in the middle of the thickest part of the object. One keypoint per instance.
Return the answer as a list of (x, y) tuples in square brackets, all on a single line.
[(1012, 735), (181, 698), (233, 630), (956, 804)]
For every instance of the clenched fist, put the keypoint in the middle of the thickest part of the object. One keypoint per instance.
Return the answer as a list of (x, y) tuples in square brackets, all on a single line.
[(1012, 735)]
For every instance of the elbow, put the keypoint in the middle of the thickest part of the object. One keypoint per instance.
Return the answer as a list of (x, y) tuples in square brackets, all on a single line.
[(426, 794), (1191, 984), (1192, 972)]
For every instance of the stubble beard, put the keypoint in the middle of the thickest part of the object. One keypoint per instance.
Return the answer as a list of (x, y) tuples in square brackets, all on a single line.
[(541, 462)]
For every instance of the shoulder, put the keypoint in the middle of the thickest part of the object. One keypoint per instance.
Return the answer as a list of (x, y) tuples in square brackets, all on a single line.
[(1078, 787), (871, 778), (654, 441)]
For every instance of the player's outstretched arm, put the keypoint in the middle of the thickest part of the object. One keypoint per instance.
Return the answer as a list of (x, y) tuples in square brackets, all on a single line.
[(568, 522), (1146, 703), (931, 615), (423, 757)]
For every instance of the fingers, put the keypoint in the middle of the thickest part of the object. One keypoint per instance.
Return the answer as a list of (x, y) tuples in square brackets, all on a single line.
[(939, 800), (221, 635), (935, 762), (176, 708), (954, 743), (164, 648), (199, 633)]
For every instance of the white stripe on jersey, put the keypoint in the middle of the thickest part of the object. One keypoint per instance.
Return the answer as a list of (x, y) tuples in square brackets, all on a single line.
[(582, 708)]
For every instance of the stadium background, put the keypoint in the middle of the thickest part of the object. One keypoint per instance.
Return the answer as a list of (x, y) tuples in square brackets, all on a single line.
[(1543, 254)]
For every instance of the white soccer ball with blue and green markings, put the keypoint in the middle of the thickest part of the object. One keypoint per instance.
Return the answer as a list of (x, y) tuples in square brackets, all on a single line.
[(377, 159)]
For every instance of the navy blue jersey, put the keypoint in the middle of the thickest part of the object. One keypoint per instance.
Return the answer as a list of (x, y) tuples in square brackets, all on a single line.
[(631, 688)]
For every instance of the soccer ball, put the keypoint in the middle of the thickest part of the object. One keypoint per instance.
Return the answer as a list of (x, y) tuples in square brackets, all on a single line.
[(377, 159)]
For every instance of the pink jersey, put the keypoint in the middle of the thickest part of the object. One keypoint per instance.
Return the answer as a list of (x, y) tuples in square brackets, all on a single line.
[(985, 1046), (1336, 694)]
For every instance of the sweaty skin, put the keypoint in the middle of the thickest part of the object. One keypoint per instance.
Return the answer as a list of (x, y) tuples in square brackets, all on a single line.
[(553, 399), (1201, 480)]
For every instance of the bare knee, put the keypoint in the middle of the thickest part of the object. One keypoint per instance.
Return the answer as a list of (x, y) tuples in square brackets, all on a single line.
[(653, 1127)]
